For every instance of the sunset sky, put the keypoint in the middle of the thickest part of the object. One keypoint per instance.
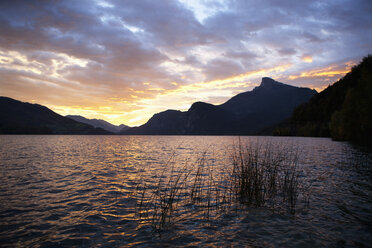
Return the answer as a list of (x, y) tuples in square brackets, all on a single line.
[(123, 61)]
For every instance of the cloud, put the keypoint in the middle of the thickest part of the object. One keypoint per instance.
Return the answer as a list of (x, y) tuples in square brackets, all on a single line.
[(125, 60)]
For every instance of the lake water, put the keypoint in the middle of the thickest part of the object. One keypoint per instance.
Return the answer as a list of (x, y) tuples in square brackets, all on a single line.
[(94, 191)]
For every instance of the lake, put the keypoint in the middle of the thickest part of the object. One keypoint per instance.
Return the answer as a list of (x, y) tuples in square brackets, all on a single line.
[(115, 191)]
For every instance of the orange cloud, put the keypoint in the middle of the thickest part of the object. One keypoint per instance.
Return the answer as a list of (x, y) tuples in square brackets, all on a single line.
[(234, 81), (330, 71), (307, 58)]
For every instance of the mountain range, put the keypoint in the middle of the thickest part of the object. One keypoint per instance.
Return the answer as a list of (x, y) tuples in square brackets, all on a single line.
[(244, 114), (99, 124), (341, 111), (25, 118)]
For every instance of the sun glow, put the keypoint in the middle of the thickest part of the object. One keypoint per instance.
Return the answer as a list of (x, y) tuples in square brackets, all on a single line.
[(182, 97), (141, 107)]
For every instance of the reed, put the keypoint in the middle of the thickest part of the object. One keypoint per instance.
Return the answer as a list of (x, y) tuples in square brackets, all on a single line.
[(263, 174), (257, 175)]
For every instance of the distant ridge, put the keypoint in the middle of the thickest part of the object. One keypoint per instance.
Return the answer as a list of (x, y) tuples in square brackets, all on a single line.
[(99, 123), (18, 117), (246, 113)]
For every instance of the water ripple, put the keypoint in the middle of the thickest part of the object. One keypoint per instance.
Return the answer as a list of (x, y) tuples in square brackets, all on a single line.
[(80, 191)]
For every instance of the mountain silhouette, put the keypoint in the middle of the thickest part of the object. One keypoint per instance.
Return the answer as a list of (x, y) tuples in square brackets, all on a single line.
[(18, 117), (99, 124), (246, 113)]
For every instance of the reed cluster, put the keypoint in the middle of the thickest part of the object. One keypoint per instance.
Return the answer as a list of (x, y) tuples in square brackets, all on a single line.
[(255, 176), (263, 175)]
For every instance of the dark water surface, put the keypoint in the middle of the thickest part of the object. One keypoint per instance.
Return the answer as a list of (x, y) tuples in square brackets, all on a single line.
[(80, 191)]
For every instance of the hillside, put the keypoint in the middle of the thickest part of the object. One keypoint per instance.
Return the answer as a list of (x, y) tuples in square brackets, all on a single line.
[(342, 111), (99, 123), (25, 118)]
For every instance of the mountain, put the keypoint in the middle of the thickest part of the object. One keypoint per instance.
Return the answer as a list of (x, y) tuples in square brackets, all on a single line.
[(201, 118), (266, 105), (342, 111), (99, 123), (246, 113), (25, 118)]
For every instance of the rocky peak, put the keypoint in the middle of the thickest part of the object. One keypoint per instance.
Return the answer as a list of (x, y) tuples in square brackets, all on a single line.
[(269, 82)]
